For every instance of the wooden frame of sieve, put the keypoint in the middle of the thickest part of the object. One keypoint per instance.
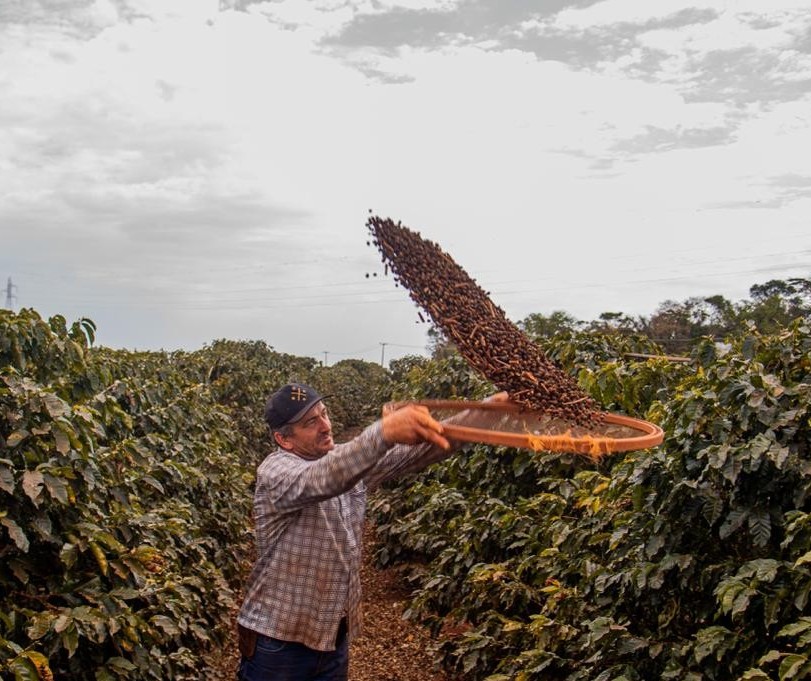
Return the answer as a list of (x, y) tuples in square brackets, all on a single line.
[(595, 446)]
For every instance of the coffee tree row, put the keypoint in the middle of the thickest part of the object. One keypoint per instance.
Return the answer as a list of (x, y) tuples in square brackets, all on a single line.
[(690, 561), (125, 495)]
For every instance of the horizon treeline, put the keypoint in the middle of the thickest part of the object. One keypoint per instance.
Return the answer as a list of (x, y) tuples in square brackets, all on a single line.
[(675, 325)]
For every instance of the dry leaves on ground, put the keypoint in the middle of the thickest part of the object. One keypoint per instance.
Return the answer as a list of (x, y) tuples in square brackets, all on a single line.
[(391, 648)]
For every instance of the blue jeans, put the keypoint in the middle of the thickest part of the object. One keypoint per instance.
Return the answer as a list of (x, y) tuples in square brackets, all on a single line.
[(276, 660)]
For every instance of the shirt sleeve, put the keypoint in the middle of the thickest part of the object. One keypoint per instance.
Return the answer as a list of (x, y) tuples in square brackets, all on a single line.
[(401, 460), (404, 459), (287, 482)]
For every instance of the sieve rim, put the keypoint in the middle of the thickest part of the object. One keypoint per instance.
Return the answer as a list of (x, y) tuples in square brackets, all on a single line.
[(650, 434)]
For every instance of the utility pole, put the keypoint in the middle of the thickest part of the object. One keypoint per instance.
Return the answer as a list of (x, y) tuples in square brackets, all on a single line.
[(10, 297), (382, 353)]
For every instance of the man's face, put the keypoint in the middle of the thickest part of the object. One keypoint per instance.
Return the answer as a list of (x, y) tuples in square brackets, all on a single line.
[(312, 435)]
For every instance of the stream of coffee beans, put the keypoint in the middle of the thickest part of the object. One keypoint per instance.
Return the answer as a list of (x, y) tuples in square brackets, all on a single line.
[(483, 335)]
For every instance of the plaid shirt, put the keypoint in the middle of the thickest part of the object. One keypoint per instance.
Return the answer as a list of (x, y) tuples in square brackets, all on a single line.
[(309, 521)]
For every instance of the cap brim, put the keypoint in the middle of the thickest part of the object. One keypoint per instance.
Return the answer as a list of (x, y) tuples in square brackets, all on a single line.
[(300, 415)]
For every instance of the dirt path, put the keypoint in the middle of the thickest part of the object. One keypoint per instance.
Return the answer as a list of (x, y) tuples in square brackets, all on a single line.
[(391, 649)]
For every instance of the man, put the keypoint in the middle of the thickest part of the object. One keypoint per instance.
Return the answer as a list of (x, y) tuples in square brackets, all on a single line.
[(302, 602)]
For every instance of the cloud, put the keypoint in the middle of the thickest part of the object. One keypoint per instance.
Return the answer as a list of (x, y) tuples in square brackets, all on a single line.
[(213, 167), (655, 140)]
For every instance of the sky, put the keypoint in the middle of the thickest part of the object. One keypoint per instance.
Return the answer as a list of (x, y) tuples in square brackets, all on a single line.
[(181, 171)]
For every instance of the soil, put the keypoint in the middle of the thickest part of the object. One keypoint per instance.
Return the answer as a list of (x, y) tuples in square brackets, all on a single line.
[(390, 649)]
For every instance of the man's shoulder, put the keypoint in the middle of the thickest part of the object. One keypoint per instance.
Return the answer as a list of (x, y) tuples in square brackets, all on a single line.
[(280, 460)]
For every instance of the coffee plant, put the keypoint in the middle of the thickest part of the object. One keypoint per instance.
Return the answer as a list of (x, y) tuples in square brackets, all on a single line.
[(689, 561), (126, 481), (125, 496)]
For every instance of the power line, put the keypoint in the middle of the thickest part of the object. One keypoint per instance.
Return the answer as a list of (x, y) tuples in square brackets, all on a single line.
[(389, 297), (10, 297)]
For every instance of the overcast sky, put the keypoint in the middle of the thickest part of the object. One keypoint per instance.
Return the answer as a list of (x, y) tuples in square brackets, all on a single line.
[(186, 170)]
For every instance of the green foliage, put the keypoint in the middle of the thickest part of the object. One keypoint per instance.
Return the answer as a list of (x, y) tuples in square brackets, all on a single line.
[(449, 378), (359, 387), (538, 326), (125, 482), (122, 536), (690, 561)]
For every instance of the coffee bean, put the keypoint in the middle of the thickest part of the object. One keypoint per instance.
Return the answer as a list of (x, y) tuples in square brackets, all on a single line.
[(483, 335)]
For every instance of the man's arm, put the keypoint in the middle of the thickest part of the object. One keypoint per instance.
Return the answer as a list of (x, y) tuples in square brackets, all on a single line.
[(289, 483), (403, 459)]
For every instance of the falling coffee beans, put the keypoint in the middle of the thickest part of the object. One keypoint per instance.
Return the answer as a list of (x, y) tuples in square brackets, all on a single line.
[(484, 336)]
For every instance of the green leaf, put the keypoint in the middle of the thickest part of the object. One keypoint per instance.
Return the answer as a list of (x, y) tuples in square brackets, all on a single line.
[(16, 533), (56, 487), (717, 457), (17, 437), (711, 640), (796, 628), (778, 455), (55, 406), (70, 639), (18, 569), (62, 622), (791, 666), (802, 560), (122, 663), (62, 441), (469, 661), (742, 601), (771, 656), (732, 468), (40, 663), (166, 624), (148, 479), (32, 485), (655, 543), (733, 522), (40, 625), (763, 569), (68, 555), (760, 527), (6, 478), (23, 668), (754, 675)]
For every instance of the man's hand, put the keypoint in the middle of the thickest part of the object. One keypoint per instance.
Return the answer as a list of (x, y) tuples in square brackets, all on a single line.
[(411, 425), (498, 397)]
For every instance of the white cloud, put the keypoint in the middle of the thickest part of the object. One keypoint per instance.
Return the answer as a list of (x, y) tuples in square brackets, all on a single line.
[(198, 153), (729, 31), (431, 5), (316, 19), (190, 11), (611, 12)]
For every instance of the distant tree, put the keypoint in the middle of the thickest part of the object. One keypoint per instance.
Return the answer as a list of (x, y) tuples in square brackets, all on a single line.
[(439, 346), (401, 368), (539, 326), (674, 325), (671, 324), (777, 303), (359, 386), (723, 316), (617, 322)]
